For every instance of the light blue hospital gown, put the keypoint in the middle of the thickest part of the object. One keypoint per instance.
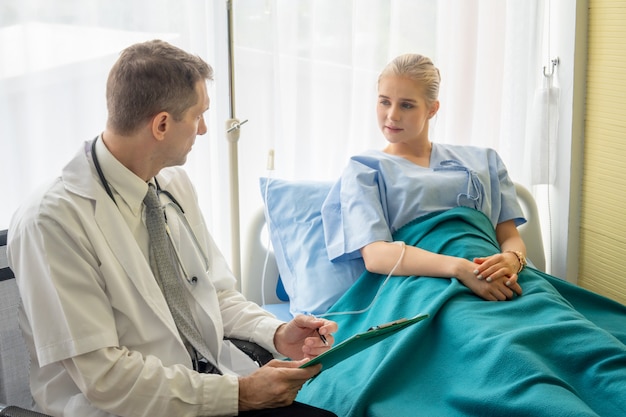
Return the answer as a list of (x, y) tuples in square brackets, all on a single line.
[(379, 193)]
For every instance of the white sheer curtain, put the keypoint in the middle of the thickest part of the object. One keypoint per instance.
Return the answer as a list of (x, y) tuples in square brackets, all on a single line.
[(306, 78), (54, 60)]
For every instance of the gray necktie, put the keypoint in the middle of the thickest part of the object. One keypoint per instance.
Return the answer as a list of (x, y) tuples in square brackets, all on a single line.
[(163, 265)]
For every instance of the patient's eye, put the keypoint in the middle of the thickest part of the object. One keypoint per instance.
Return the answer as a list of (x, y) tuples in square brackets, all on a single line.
[(407, 105)]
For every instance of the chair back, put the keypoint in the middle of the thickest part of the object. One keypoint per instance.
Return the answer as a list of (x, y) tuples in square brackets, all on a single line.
[(13, 411), (14, 359)]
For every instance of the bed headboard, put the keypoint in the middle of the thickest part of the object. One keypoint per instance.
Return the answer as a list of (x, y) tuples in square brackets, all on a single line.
[(256, 258), (531, 230)]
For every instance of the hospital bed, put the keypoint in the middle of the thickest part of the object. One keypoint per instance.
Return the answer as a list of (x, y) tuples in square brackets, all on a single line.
[(557, 350), (261, 280)]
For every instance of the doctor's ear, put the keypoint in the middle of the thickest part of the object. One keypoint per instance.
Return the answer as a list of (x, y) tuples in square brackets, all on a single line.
[(160, 124)]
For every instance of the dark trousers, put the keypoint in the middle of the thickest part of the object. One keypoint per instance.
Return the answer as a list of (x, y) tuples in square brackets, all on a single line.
[(294, 410)]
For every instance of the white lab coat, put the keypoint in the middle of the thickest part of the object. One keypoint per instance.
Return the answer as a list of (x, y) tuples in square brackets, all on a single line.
[(86, 285)]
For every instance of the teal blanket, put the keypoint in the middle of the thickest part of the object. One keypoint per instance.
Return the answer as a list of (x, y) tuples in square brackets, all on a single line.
[(557, 350)]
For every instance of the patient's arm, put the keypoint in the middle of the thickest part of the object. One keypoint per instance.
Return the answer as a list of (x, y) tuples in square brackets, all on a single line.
[(380, 257)]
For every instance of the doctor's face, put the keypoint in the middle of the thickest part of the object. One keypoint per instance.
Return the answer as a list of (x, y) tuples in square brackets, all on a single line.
[(183, 133), (402, 110)]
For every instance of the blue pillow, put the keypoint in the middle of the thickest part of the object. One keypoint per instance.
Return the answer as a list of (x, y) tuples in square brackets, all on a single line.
[(293, 213)]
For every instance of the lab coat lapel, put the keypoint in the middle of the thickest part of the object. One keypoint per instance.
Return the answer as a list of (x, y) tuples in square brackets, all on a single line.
[(131, 259), (112, 228)]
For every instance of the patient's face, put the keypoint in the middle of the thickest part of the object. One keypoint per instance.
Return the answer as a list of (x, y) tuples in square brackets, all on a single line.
[(402, 110)]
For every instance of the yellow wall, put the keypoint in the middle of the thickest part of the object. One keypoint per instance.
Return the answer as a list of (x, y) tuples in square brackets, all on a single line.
[(602, 261)]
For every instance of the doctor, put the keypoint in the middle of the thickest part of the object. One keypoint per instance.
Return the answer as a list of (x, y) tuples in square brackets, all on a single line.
[(102, 339)]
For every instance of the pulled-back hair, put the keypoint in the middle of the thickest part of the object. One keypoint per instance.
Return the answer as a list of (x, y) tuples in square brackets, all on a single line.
[(418, 68), (149, 78)]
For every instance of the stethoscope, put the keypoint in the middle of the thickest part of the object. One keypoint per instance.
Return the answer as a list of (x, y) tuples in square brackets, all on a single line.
[(177, 208)]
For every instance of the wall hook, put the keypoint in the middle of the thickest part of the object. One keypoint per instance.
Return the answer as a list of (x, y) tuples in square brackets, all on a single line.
[(553, 63)]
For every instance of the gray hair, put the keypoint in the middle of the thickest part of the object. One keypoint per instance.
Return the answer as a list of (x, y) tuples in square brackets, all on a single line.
[(149, 78)]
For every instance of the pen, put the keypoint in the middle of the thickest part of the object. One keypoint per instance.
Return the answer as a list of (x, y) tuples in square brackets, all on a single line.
[(318, 332), (321, 336)]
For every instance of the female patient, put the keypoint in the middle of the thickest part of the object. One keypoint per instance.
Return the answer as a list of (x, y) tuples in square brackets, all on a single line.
[(412, 176), (441, 219)]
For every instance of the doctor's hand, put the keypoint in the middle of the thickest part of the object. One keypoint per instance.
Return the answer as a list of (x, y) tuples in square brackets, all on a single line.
[(275, 384), (304, 337)]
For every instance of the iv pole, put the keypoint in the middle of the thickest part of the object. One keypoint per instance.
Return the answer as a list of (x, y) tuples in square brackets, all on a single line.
[(233, 127)]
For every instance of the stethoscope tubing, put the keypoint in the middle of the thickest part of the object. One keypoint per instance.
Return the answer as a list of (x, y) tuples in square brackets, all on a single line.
[(177, 208)]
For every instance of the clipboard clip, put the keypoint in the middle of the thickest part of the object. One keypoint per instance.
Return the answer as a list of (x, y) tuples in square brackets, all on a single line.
[(385, 325)]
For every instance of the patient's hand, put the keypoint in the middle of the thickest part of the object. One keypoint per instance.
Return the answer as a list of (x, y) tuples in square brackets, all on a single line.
[(499, 286), (493, 291), (497, 266)]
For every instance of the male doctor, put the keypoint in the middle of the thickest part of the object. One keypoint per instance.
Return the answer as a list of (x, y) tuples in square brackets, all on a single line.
[(101, 336)]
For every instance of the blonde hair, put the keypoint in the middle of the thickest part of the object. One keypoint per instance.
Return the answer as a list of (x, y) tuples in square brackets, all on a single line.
[(418, 68)]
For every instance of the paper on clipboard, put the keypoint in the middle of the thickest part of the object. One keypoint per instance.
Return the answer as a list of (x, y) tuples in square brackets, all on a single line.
[(361, 341)]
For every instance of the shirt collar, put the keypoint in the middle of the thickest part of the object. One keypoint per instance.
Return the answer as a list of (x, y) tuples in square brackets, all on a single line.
[(124, 183)]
